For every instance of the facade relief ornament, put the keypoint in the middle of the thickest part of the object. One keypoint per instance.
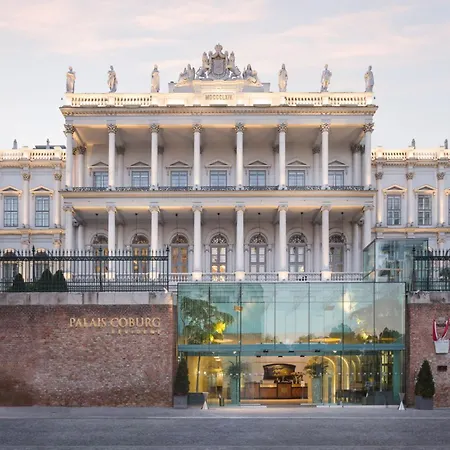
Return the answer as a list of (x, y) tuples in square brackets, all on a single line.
[(26, 176), (440, 175), (57, 176), (239, 127), (112, 128), (410, 175), (69, 129), (368, 127), (378, 175)]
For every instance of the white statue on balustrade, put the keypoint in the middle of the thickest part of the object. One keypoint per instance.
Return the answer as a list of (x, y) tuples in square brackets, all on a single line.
[(282, 79), (155, 79), (326, 79), (187, 75), (251, 75), (202, 72), (231, 66), (70, 81), (369, 79), (112, 80)]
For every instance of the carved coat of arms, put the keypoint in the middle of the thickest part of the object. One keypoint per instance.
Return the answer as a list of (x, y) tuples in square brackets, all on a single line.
[(218, 64)]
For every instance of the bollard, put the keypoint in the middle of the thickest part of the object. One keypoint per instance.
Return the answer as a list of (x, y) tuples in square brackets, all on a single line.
[(221, 400), (401, 406), (205, 398)]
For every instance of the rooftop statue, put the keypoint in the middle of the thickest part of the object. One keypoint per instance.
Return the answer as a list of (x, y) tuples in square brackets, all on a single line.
[(369, 79), (282, 79), (155, 79), (202, 72), (326, 78), (187, 75), (70, 81), (251, 75), (112, 80)]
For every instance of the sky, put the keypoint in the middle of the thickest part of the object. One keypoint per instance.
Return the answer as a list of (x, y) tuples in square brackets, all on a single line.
[(406, 42)]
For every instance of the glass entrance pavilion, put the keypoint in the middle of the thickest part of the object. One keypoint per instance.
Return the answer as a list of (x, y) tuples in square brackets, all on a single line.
[(297, 342)]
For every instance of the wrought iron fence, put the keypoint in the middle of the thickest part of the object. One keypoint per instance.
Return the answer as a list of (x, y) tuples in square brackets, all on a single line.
[(431, 270), (84, 271)]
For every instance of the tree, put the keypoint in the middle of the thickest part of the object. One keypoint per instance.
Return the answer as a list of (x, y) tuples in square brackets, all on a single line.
[(203, 323), (425, 386), (316, 368), (59, 282), (181, 385)]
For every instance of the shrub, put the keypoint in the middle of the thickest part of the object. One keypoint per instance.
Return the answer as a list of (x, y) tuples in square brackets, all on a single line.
[(181, 385), (425, 383), (59, 282), (18, 284), (45, 282)]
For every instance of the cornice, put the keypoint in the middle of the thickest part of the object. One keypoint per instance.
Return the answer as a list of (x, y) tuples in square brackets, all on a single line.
[(31, 231), (369, 110), (409, 230)]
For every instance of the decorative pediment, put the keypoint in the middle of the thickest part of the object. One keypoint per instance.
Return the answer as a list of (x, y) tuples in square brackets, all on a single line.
[(257, 163), (10, 190), (99, 165), (336, 164), (217, 164), (395, 189), (179, 164), (425, 189), (41, 190), (139, 164), (298, 164)]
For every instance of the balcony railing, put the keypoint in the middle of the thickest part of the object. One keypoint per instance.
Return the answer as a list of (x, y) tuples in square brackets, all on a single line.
[(347, 276), (431, 270), (305, 276)]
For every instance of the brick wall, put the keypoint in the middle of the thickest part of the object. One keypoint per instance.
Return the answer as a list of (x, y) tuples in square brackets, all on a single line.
[(420, 346), (84, 355)]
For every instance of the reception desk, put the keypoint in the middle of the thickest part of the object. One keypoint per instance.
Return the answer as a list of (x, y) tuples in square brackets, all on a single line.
[(274, 391)]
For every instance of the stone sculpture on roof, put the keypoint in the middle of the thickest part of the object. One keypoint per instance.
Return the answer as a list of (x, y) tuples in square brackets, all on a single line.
[(112, 79), (70, 81), (326, 79), (369, 80), (218, 65), (155, 79), (282, 79)]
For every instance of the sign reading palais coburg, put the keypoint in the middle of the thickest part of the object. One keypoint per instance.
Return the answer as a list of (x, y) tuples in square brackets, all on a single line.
[(119, 325)]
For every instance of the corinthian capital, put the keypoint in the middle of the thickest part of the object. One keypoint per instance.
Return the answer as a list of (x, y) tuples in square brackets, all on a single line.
[(26, 176), (197, 128), (440, 175), (378, 175), (69, 129), (316, 149), (239, 208), (196, 208), (112, 128), (57, 176), (368, 127), (111, 208), (239, 127), (283, 207), (410, 175), (282, 128), (154, 128), (325, 127)]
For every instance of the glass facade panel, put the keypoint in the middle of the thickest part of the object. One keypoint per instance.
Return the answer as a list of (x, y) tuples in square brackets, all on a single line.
[(294, 342)]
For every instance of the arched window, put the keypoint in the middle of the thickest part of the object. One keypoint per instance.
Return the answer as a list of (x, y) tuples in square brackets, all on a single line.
[(100, 248), (100, 241), (41, 263), (219, 250), (258, 253), (140, 248), (337, 244), (10, 266), (297, 253), (179, 254)]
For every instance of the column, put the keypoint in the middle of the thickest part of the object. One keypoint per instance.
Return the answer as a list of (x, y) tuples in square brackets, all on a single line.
[(154, 155), (240, 269), (80, 237), (367, 231), (111, 228), (367, 162), (356, 248), (282, 128), (197, 129), (154, 244), (316, 165), (57, 200), (120, 165), (69, 130), (380, 203), (441, 199), (197, 272), (239, 154), (26, 176), (81, 151), (68, 210), (325, 210), (283, 273), (410, 198), (120, 237), (356, 169), (316, 248), (112, 130), (325, 129)]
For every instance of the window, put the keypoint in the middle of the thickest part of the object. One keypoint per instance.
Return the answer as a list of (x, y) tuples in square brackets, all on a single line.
[(257, 177), (100, 247), (140, 178), (337, 243), (297, 251), (42, 215), (424, 209), (394, 209), (101, 179), (10, 266), (218, 178), (258, 253), (179, 254), (336, 177), (219, 249), (296, 177), (11, 211), (179, 178), (140, 247)]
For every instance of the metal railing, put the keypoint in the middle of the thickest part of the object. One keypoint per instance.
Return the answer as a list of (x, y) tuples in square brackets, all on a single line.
[(431, 270), (84, 271)]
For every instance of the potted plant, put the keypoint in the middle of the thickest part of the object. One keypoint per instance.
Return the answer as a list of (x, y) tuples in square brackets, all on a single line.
[(181, 386), (424, 389), (315, 369)]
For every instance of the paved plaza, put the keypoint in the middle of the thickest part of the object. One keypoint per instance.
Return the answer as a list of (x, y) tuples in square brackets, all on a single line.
[(224, 428)]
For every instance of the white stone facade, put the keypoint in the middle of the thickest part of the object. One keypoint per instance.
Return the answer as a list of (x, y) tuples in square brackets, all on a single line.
[(254, 185)]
